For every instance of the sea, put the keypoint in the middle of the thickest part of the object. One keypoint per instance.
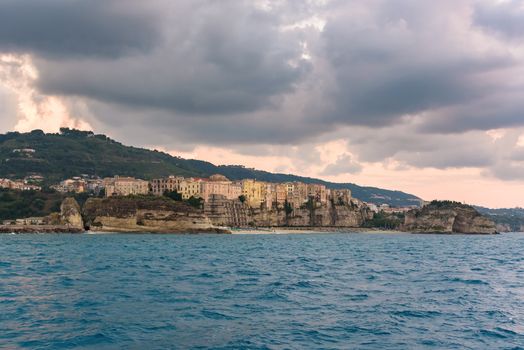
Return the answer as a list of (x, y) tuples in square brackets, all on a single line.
[(272, 291)]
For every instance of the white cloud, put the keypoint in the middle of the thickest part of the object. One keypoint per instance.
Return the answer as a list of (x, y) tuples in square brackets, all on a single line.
[(34, 110)]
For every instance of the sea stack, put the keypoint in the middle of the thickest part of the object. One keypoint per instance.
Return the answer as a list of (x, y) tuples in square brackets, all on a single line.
[(70, 214)]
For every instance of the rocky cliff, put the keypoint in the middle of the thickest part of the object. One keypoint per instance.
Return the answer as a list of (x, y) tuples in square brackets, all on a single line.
[(70, 214), (448, 217), (144, 214), (69, 220), (232, 213)]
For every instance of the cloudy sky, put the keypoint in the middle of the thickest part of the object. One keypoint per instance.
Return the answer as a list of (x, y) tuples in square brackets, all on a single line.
[(417, 95)]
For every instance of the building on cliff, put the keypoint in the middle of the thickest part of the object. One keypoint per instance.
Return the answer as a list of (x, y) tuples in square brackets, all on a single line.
[(254, 191), (196, 187), (74, 185), (342, 196), (220, 185), (190, 188), (280, 195), (125, 186), (163, 185), (318, 193), (18, 185), (187, 187), (80, 184), (257, 194)]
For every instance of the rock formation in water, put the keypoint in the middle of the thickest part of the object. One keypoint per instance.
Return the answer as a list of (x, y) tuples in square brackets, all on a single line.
[(69, 220), (70, 214), (503, 228), (145, 214), (448, 217)]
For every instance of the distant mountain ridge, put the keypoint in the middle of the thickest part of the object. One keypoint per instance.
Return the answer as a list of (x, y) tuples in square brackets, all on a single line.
[(511, 217), (73, 152)]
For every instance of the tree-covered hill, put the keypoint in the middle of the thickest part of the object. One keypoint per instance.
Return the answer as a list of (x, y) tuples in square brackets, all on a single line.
[(512, 217), (72, 153)]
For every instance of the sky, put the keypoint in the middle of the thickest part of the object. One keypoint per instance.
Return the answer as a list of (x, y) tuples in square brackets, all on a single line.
[(421, 96)]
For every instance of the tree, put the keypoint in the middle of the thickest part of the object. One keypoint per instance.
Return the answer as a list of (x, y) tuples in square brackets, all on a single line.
[(310, 204), (288, 208), (195, 202), (174, 195), (385, 221), (39, 204), (242, 198)]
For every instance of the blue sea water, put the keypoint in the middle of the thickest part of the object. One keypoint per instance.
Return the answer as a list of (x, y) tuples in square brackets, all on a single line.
[(319, 291)]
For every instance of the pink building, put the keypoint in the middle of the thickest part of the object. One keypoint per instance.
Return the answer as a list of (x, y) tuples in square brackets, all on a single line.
[(219, 184)]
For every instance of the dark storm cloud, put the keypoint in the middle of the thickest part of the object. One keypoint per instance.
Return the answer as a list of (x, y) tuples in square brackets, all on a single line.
[(218, 58), (504, 18), (237, 129), (344, 165), (63, 28), (442, 151), (412, 76), (401, 59), (493, 112), (499, 154)]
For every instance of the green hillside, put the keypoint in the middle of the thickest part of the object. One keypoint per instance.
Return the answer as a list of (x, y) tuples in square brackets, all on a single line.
[(72, 152), (512, 217)]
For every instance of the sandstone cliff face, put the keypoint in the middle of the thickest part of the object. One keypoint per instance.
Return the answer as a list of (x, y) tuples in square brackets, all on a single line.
[(353, 215), (448, 218), (504, 228), (224, 212), (127, 214), (350, 215)]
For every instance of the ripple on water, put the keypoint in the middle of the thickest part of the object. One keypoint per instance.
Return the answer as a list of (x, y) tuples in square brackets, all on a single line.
[(329, 291)]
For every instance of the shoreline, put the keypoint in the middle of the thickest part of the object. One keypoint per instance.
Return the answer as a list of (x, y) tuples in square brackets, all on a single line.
[(310, 230), (57, 229), (40, 229)]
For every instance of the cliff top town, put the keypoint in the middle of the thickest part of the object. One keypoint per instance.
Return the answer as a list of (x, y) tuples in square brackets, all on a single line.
[(216, 204), (254, 193), (36, 163)]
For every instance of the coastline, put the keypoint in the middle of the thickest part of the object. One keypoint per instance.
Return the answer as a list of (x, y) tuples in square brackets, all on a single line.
[(310, 230), (40, 229), (49, 229)]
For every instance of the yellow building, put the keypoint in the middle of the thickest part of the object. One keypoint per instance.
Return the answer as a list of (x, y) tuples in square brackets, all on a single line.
[(170, 184), (255, 192), (189, 188), (125, 186)]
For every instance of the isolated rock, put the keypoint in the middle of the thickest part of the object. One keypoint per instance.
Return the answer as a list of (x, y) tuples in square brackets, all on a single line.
[(448, 217), (70, 214)]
